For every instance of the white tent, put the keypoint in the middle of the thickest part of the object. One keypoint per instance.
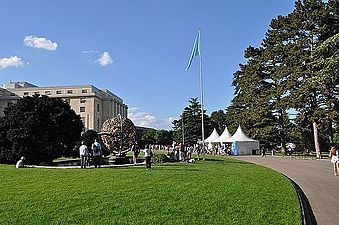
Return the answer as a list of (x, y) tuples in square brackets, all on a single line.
[(223, 137), (243, 145), (214, 135)]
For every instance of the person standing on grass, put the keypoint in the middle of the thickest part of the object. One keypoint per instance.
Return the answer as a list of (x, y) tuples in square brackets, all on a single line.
[(148, 156), (96, 153), (83, 150), (334, 160), (135, 152)]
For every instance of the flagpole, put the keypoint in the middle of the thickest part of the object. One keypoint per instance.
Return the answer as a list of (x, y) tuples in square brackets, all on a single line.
[(201, 99), (197, 51), (183, 130)]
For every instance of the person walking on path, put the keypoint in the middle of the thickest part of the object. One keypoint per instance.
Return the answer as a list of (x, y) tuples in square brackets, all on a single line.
[(148, 156), (334, 160), (83, 150), (96, 153), (263, 152)]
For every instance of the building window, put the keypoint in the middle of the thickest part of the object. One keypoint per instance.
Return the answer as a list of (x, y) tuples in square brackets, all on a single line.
[(69, 91), (82, 100), (82, 109), (26, 93), (36, 93), (83, 120), (84, 91), (68, 101), (98, 108), (12, 94), (47, 92), (58, 92), (98, 124)]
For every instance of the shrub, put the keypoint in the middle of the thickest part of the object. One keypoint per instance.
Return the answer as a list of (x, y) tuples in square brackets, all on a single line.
[(160, 158)]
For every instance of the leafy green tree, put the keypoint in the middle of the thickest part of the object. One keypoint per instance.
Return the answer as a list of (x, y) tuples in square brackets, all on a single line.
[(286, 74), (191, 122), (336, 135), (313, 23), (163, 137), (231, 119), (149, 136), (88, 137), (218, 120), (5, 145), (250, 106), (326, 70), (39, 128)]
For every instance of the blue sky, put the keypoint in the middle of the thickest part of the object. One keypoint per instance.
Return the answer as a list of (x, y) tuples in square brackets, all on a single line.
[(138, 49)]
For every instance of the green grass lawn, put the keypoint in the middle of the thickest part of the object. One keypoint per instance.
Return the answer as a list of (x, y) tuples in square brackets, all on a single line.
[(217, 191)]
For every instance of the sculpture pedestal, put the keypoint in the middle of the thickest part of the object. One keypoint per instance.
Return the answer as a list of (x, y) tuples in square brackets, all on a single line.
[(122, 160)]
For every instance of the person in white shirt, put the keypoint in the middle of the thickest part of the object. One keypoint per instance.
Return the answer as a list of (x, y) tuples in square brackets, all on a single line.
[(20, 163), (96, 153), (83, 150), (148, 156)]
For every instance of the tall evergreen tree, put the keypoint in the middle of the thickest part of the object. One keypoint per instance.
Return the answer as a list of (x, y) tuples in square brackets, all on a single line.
[(313, 24), (218, 120), (189, 124), (326, 69), (250, 104), (284, 74)]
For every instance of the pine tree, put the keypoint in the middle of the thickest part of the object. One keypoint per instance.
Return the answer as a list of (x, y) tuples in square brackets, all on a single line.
[(190, 124)]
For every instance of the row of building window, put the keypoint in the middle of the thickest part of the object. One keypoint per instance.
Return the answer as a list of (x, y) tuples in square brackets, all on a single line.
[(83, 108), (83, 91)]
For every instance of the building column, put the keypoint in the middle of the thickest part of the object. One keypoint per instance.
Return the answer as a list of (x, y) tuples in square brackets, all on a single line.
[(115, 109)]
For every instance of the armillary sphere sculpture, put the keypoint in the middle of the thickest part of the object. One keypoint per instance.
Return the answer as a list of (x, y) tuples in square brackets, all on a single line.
[(118, 135)]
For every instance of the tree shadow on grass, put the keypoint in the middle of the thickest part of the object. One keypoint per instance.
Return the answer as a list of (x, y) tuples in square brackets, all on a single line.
[(225, 161), (187, 169), (239, 162)]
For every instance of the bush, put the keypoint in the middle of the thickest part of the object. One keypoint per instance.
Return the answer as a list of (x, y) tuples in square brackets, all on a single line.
[(160, 158), (39, 128)]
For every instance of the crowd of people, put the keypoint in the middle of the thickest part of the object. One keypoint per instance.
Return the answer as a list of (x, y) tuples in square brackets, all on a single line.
[(176, 152)]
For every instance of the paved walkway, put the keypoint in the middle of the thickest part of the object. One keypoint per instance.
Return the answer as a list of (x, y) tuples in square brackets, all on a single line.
[(314, 177)]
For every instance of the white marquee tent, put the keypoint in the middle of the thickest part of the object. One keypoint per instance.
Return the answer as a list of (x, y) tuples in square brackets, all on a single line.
[(223, 137), (214, 135), (243, 145)]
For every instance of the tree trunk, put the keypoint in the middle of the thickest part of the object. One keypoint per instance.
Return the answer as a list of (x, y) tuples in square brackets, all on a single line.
[(282, 132), (330, 131), (316, 139)]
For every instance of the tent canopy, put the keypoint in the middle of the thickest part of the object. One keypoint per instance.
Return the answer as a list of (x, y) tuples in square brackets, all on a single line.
[(214, 135), (243, 145), (223, 137), (239, 136)]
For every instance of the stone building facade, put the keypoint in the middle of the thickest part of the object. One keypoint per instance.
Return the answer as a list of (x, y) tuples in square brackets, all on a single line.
[(6, 97), (92, 104)]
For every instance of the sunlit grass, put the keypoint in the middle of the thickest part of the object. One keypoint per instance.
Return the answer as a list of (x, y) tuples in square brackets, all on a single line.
[(217, 191)]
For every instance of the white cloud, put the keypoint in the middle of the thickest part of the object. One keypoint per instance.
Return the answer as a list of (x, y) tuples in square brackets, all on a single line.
[(104, 59), (40, 42), (10, 61), (146, 119)]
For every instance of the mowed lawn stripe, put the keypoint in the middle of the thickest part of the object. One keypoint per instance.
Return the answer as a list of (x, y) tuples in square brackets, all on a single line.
[(217, 191)]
